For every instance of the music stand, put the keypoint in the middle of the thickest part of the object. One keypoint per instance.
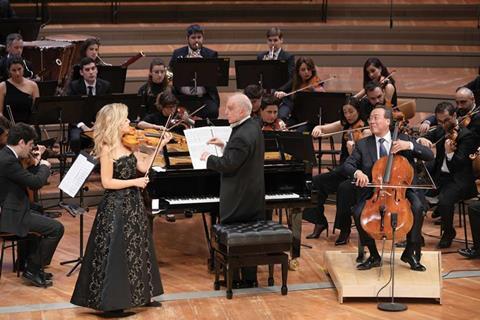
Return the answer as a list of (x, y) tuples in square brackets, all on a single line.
[(201, 72), (308, 105), (269, 74), (27, 27), (191, 103), (297, 144), (116, 75), (134, 102), (47, 88)]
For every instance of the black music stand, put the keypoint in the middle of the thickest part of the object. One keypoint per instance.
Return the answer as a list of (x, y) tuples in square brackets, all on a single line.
[(201, 72), (308, 106), (116, 75), (269, 74), (297, 144), (47, 88), (27, 27), (134, 102)]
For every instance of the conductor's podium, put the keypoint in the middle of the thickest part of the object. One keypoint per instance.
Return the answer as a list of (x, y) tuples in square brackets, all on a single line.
[(352, 283)]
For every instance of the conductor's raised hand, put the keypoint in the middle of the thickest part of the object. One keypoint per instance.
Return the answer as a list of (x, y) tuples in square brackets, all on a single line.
[(217, 142)]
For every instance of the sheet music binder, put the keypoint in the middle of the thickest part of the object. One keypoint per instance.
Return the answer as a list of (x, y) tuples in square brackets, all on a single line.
[(77, 175)]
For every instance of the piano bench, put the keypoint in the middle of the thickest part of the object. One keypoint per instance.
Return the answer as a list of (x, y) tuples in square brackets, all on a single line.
[(250, 244)]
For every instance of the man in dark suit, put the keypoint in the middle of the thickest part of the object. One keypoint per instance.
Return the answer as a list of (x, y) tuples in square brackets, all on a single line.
[(452, 169), (474, 218), (14, 47), (359, 165), (195, 49), (276, 52), (242, 186), (89, 84), (16, 216)]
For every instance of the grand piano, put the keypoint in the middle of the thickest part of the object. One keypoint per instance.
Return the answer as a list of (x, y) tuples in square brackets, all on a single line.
[(178, 188)]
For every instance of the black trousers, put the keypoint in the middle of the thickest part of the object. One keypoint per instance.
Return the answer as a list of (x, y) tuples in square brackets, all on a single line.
[(346, 201), (39, 251), (448, 196), (76, 141), (414, 237), (474, 217)]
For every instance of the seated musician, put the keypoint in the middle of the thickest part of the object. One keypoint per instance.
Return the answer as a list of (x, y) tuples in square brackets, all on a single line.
[(89, 84), (465, 101), (166, 105), (16, 216), (195, 49), (157, 82), (91, 49), (452, 171), (242, 185), (305, 75), (269, 114), (254, 92), (17, 92), (359, 165), (330, 182), (474, 218), (4, 128), (375, 70), (14, 47), (474, 85)]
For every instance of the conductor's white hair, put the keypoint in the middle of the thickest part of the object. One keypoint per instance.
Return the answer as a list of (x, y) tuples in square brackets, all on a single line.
[(242, 100)]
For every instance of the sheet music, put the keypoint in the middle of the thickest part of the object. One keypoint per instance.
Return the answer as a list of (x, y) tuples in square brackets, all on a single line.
[(197, 139), (77, 175)]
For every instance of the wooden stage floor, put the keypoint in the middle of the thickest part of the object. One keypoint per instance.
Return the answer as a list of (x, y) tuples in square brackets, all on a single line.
[(182, 255)]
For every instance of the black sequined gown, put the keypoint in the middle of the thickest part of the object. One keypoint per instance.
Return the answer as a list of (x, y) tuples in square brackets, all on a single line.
[(119, 270)]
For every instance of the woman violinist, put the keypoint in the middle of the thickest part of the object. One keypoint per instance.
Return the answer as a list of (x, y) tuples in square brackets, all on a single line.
[(269, 114), (157, 83), (335, 180)]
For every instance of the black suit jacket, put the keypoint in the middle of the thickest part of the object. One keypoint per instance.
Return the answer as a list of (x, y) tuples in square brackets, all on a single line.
[(14, 179), (364, 155), (182, 52), (78, 87), (290, 58), (242, 186), (460, 166), (474, 85)]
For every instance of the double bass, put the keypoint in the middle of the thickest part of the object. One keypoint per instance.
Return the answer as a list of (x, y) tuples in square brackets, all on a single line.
[(391, 176)]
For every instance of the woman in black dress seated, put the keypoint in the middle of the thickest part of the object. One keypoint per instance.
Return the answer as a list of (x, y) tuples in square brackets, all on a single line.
[(17, 92), (119, 269), (157, 82)]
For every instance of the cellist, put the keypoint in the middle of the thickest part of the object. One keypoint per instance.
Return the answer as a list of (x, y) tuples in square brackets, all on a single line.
[(359, 165)]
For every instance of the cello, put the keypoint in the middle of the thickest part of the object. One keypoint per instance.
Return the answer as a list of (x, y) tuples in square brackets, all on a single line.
[(391, 176)]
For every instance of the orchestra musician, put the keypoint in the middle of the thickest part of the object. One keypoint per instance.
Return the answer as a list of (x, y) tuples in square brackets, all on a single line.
[(474, 218), (91, 49), (14, 46), (17, 217), (474, 85), (255, 93), (119, 269), (157, 82), (359, 165), (17, 92), (269, 114), (89, 84), (465, 102), (242, 185), (335, 180), (305, 75), (195, 49), (452, 171)]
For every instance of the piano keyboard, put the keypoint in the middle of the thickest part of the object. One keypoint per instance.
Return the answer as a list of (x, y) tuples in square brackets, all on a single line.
[(181, 201)]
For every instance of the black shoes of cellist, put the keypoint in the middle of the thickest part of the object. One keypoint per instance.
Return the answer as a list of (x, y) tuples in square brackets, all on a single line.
[(411, 255)]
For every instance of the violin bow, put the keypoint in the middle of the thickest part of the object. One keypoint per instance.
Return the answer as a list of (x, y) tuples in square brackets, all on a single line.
[(182, 121), (296, 125), (157, 148), (311, 85)]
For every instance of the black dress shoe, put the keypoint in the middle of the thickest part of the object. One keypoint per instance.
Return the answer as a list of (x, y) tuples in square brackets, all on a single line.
[(317, 231), (153, 304), (446, 240), (470, 253), (36, 279), (412, 261), (46, 275), (371, 262), (435, 214), (342, 238)]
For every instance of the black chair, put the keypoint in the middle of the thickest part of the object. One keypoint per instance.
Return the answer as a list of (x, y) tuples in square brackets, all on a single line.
[(250, 244)]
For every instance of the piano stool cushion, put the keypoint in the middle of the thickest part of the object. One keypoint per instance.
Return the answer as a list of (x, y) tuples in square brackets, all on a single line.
[(252, 234)]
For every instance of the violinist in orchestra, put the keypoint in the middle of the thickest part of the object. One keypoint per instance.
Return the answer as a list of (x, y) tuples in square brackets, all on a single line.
[(195, 49), (17, 92), (359, 166), (14, 47), (375, 70), (157, 82), (452, 170), (466, 110), (119, 269), (269, 114), (167, 105), (16, 216), (336, 181), (255, 93), (305, 76)]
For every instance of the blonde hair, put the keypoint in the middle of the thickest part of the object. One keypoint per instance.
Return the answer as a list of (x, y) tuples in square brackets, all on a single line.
[(108, 124)]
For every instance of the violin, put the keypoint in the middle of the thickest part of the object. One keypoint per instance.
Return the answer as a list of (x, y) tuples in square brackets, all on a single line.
[(181, 117), (467, 119), (475, 157), (355, 133), (26, 163), (313, 83), (134, 138), (391, 176), (277, 125)]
